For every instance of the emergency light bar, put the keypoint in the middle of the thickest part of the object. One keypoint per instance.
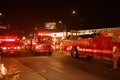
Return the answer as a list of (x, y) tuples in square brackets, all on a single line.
[(9, 40)]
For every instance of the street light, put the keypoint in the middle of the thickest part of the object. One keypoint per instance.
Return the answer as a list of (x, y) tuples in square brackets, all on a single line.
[(0, 14), (73, 12), (64, 26), (60, 22)]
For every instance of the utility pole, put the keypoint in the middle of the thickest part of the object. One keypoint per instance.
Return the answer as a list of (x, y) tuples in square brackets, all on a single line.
[(0, 19), (65, 29)]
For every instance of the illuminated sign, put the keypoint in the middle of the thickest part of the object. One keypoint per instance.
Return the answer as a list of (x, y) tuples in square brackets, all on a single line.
[(50, 25), (3, 27)]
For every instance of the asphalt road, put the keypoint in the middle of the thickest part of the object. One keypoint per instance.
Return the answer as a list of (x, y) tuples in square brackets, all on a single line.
[(60, 67)]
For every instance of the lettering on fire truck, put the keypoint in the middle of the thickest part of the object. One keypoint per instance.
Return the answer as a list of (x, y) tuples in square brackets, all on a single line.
[(101, 45)]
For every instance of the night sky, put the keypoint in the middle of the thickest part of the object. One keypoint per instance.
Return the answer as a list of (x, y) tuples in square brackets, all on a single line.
[(26, 14)]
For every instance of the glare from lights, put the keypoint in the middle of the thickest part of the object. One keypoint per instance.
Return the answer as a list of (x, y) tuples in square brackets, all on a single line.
[(23, 38), (9, 39), (73, 12), (4, 48), (18, 47), (60, 22), (3, 69), (0, 14)]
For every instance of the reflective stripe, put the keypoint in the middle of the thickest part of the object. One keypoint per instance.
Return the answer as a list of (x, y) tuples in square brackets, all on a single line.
[(95, 50)]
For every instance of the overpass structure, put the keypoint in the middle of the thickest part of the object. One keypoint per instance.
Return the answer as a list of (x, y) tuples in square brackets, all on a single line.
[(3, 27), (94, 31)]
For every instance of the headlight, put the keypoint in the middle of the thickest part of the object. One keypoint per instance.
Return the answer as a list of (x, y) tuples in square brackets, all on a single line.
[(4, 48)]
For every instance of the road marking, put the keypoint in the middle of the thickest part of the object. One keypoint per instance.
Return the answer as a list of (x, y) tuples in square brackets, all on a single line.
[(57, 69)]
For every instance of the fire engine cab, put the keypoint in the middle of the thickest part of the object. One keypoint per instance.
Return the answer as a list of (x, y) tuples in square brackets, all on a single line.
[(101, 45), (44, 44), (10, 44)]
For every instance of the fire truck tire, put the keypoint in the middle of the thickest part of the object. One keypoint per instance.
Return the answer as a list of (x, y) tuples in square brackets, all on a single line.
[(34, 53), (74, 53), (90, 56), (50, 53), (18, 54)]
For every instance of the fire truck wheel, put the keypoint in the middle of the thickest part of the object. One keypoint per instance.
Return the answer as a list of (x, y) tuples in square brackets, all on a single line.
[(89, 56), (74, 53), (18, 54), (50, 53), (34, 53)]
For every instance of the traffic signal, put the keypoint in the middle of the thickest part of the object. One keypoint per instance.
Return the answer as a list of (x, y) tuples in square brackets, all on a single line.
[(30, 34)]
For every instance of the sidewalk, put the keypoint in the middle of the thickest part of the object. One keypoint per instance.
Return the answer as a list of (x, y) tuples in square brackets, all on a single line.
[(18, 71)]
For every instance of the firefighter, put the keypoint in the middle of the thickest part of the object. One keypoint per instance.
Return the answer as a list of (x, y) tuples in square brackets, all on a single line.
[(1, 55), (115, 57), (61, 48)]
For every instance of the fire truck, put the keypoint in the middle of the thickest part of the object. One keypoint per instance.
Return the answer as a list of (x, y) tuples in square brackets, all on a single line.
[(100, 45), (43, 44), (10, 45)]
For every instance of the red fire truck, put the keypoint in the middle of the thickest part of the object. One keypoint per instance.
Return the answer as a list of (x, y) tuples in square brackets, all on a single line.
[(44, 44), (101, 45), (10, 45)]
